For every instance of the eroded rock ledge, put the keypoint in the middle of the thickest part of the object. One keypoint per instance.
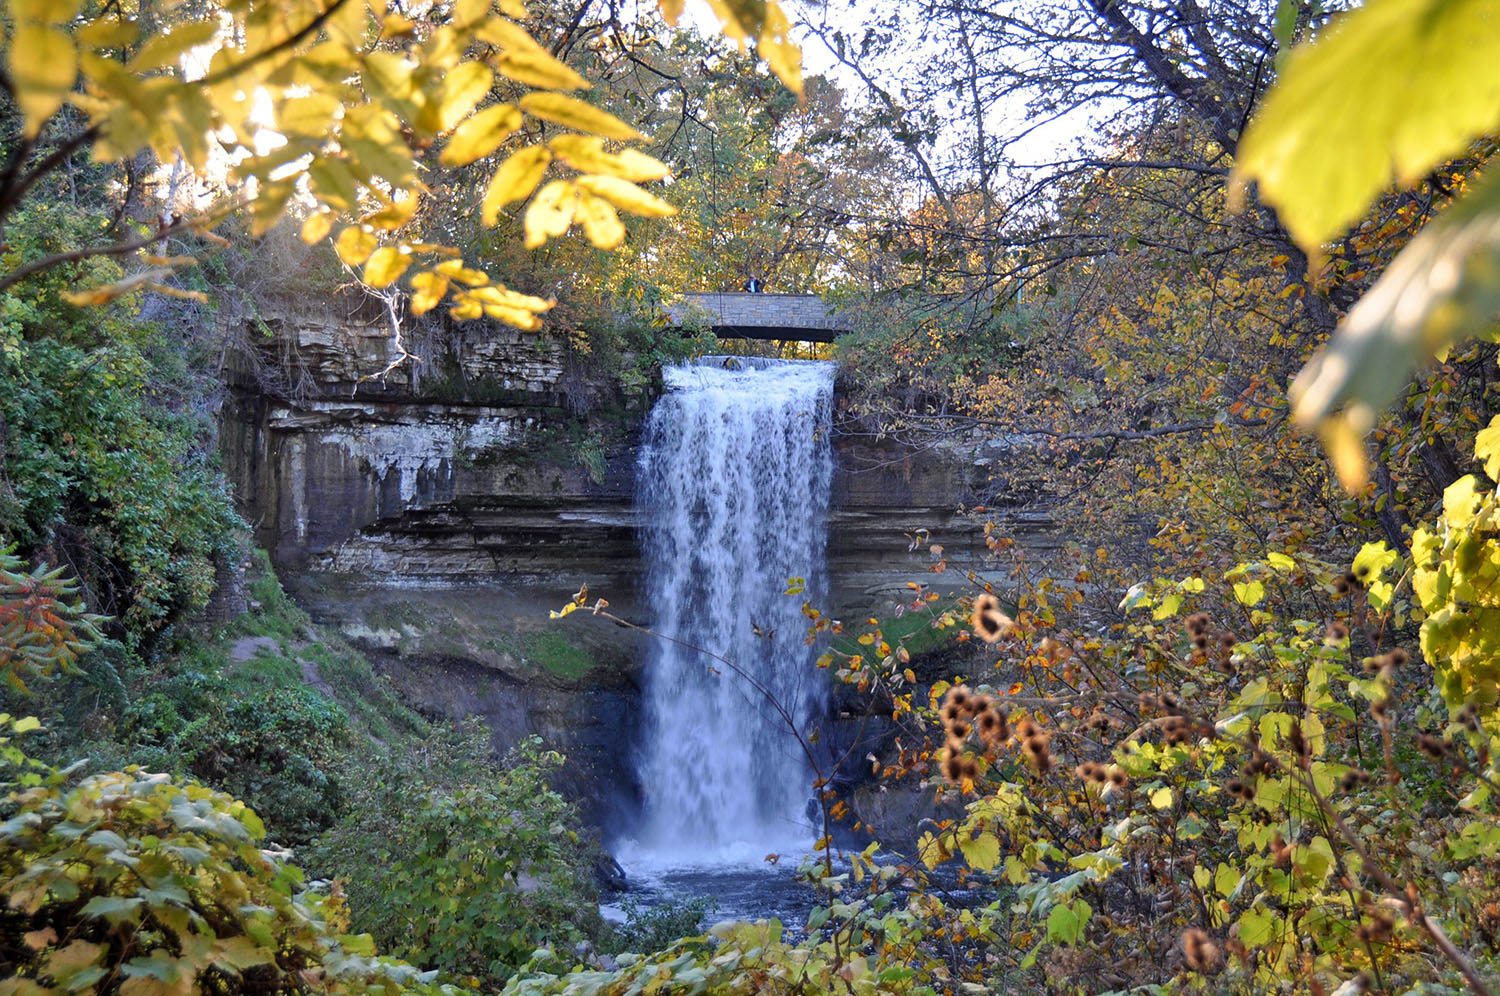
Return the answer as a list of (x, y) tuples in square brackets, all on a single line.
[(435, 514)]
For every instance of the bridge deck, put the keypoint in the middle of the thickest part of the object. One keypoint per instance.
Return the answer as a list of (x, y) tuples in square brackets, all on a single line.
[(741, 315)]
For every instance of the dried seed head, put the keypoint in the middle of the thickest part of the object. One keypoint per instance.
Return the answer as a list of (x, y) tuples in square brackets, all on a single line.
[(953, 767), (959, 731), (1201, 641), (1117, 778), (1092, 771), (1297, 741), (1227, 641), (958, 697), (1398, 658), (1053, 650), (1038, 748), (1432, 746), (1197, 623), (1176, 730), (1200, 951), (1337, 632), (993, 730), (1281, 851), (988, 621)]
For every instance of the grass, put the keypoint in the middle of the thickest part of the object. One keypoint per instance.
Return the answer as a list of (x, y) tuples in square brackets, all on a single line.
[(359, 691), (913, 630), (366, 695), (548, 652), (554, 654)]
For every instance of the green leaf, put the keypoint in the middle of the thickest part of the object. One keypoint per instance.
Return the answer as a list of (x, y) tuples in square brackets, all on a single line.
[(982, 853), (1249, 592), (1372, 561), (1387, 91), (1256, 927), (1487, 448), (574, 113), (115, 909), (481, 134), (1065, 923), (516, 178), (43, 66), (1441, 286), (385, 266), (1226, 880), (239, 953)]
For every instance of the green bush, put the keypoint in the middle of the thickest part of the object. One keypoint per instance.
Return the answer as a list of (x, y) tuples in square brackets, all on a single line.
[(456, 865), (659, 926), (103, 462), (139, 884)]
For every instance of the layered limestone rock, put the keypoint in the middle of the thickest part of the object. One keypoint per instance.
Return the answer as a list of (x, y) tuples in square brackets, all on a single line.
[(436, 509)]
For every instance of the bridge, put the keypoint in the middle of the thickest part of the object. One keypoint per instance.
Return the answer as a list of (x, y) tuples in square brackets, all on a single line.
[(742, 315)]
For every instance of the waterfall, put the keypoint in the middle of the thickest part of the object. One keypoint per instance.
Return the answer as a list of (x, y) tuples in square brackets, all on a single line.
[(733, 492)]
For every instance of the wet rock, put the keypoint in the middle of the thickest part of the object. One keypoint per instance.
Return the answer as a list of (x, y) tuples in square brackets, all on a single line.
[(608, 875)]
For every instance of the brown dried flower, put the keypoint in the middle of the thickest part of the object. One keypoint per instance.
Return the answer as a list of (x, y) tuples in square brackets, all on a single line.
[(1202, 954), (988, 621)]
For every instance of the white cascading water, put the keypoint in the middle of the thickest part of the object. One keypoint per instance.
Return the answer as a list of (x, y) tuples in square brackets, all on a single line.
[(733, 491)]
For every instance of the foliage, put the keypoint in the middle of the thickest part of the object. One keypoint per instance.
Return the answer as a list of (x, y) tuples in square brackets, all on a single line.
[(134, 883), (1456, 569), (1442, 286), (99, 468), (43, 625), (657, 926), (357, 94), (738, 959), (457, 865), (1245, 784), (281, 747), (254, 727)]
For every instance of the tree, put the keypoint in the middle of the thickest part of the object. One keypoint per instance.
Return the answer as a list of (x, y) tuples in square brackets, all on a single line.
[(339, 105), (1441, 287)]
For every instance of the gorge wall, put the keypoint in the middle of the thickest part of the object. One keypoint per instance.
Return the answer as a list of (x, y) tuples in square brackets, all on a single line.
[(437, 511)]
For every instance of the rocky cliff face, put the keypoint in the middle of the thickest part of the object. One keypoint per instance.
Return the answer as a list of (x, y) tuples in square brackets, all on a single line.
[(436, 511)]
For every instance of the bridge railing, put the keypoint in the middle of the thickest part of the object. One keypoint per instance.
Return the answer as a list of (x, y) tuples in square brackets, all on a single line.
[(737, 314)]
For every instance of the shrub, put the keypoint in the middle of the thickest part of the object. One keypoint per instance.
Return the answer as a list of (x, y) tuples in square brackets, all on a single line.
[(139, 884), (459, 866), (99, 467)]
